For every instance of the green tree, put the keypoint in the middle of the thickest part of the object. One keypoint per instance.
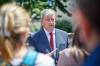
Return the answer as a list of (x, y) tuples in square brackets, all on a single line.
[(4, 2), (35, 6), (64, 25), (61, 6)]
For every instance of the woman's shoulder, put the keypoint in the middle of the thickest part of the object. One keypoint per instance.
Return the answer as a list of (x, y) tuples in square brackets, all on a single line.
[(41, 59), (66, 58), (66, 52), (70, 51)]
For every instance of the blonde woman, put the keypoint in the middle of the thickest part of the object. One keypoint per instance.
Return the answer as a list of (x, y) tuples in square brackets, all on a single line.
[(76, 54), (14, 30)]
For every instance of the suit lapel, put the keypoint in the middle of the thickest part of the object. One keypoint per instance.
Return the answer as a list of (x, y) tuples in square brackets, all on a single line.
[(45, 41), (57, 37)]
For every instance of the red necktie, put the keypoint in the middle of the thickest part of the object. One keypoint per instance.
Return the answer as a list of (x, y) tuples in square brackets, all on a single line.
[(51, 40)]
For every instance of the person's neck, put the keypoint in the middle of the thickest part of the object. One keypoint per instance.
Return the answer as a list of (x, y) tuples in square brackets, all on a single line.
[(20, 50), (18, 46), (49, 30)]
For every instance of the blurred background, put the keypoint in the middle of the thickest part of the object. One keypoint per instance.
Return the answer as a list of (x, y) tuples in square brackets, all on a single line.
[(63, 9)]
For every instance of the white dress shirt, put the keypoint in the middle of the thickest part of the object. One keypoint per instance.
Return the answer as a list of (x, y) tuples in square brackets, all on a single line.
[(48, 37)]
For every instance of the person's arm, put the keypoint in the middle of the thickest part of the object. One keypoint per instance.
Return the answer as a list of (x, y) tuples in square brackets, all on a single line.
[(67, 43), (65, 36), (44, 60)]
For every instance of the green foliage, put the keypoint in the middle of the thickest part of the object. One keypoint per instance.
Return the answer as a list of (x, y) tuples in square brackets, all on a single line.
[(38, 7), (61, 6), (64, 25), (35, 6), (4, 1)]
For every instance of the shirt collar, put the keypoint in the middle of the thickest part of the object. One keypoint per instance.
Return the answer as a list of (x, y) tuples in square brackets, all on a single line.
[(49, 32)]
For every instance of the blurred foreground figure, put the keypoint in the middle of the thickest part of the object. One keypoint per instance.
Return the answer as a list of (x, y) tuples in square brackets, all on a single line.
[(87, 16), (74, 55), (14, 30)]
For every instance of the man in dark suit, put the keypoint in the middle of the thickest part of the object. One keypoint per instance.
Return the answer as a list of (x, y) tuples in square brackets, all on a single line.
[(49, 38)]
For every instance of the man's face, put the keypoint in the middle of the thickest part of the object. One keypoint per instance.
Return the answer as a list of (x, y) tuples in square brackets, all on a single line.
[(48, 22)]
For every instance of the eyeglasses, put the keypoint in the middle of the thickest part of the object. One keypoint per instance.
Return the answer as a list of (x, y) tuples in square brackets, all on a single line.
[(50, 19)]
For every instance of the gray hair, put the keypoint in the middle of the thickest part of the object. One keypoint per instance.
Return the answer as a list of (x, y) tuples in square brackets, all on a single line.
[(46, 12)]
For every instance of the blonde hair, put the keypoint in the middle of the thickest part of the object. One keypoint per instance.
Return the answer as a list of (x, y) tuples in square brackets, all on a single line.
[(13, 20)]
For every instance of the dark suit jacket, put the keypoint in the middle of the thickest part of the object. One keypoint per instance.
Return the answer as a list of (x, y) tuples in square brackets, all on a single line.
[(40, 42)]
